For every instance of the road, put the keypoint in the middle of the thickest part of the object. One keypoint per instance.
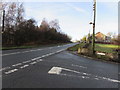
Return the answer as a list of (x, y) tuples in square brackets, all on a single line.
[(54, 67)]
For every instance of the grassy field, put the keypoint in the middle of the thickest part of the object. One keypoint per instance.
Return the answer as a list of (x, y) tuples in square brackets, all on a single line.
[(108, 45), (109, 48)]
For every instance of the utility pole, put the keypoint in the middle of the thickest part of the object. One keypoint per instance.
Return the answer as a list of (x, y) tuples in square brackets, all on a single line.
[(93, 40), (3, 20)]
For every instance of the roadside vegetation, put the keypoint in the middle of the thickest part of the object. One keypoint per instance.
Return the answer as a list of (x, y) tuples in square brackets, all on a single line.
[(98, 47), (33, 46), (22, 33), (109, 51)]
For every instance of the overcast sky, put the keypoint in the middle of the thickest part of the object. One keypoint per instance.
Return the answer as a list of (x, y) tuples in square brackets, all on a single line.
[(74, 17)]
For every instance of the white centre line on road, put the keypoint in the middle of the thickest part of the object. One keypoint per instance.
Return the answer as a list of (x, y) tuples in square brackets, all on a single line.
[(17, 64), (2, 69), (36, 60), (10, 54), (24, 66), (11, 71), (33, 63), (39, 60), (20, 52), (26, 61), (25, 51)]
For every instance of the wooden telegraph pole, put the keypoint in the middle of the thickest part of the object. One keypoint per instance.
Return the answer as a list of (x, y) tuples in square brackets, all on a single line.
[(3, 21), (93, 40)]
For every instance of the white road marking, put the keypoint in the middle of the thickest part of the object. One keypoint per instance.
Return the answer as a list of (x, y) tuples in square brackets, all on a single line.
[(17, 64), (10, 53), (75, 71), (2, 69), (26, 61), (35, 58), (11, 71), (20, 52), (96, 78), (79, 66), (33, 63), (85, 77), (55, 70), (39, 60), (24, 66), (108, 79), (25, 51)]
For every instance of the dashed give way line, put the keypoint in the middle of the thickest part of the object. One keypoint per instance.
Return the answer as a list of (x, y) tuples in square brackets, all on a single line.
[(58, 70)]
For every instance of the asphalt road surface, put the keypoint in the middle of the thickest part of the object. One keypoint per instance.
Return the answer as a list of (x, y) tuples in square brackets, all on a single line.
[(54, 67)]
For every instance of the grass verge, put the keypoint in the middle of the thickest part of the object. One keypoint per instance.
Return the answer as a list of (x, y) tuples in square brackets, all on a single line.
[(110, 51), (98, 47), (32, 46)]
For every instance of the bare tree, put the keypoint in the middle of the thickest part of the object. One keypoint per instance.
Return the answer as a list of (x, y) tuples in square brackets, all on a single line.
[(54, 24)]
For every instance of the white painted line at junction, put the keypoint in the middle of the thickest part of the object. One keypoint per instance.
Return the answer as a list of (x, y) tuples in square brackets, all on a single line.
[(33, 63), (79, 66), (11, 71), (76, 76), (39, 60), (2, 69), (36, 60), (10, 53), (24, 66), (108, 79), (17, 64), (26, 61), (55, 70)]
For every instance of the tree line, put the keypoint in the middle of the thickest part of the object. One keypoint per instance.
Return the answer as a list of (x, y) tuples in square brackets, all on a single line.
[(19, 31)]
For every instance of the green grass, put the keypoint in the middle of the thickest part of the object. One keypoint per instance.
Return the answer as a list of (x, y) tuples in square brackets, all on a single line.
[(108, 45), (108, 48), (75, 48)]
